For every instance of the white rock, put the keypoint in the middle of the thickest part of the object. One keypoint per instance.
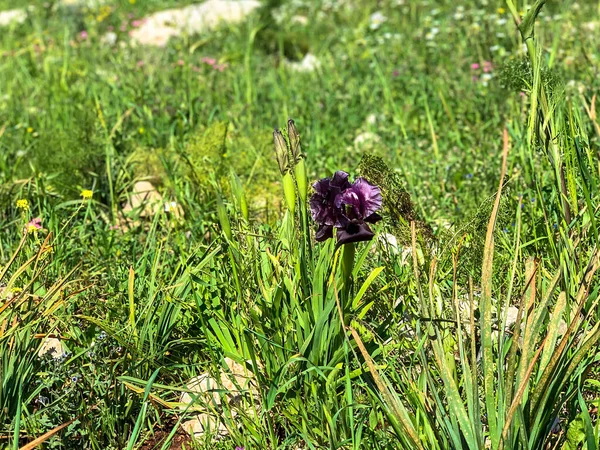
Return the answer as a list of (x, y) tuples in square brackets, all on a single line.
[(390, 241), (203, 424), (145, 199), (52, 346), (207, 393), (158, 28), (203, 389), (308, 64), (511, 316), (12, 16), (300, 20)]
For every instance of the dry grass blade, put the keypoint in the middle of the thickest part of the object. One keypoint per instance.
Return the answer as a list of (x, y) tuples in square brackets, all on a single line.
[(486, 305), (44, 437), (389, 398)]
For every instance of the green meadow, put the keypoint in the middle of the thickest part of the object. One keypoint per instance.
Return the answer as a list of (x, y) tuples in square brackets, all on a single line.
[(183, 267)]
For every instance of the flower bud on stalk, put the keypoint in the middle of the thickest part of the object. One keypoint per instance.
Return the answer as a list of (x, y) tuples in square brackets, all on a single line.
[(281, 153), (298, 157)]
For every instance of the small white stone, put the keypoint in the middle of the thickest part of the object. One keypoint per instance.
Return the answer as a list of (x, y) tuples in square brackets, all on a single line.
[(12, 16), (511, 316), (308, 64), (300, 20), (52, 346), (390, 241)]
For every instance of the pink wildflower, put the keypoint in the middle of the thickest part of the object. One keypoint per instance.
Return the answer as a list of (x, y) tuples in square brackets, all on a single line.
[(209, 61), (83, 35), (34, 225), (181, 62), (487, 66), (137, 23), (474, 66)]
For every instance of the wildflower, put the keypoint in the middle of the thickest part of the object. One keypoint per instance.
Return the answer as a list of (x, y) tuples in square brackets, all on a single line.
[(141, 130), (74, 379), (171, 207), (501, 10), (181, 62), (396, 73), (376, 20), (209, 61), (83, 35), (345, 206), (487, 66), (238, 447), (87, 194), (23, 204), (474, 66), (140, 63), (136, 23), (29, 130), (34, 225)]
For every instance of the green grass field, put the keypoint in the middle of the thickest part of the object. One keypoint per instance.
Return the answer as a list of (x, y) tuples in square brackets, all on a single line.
[(469, 321)]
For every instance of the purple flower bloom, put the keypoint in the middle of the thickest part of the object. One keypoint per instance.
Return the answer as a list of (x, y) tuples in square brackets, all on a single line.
[(346, 206), (324, 203)]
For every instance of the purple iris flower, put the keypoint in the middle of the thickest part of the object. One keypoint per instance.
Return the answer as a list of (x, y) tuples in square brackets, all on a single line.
[(347, 207), (323, 203)]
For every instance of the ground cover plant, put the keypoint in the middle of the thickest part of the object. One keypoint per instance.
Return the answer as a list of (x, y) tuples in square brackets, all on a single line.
[(409, 263)]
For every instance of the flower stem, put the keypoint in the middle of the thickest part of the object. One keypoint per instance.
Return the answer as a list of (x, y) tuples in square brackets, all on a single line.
[(348, 252)]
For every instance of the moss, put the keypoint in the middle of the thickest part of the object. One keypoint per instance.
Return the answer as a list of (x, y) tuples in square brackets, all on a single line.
[(71, 156), (148, 164), (206, 150)]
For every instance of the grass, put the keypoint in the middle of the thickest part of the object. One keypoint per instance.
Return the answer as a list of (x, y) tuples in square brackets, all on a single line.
[(469, 321)]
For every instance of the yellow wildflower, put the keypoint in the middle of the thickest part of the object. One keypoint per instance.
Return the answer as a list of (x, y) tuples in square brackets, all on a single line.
[(87, 194), (141, 130), (132, 2), (23, 204), (30, 130), (501, 10)]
